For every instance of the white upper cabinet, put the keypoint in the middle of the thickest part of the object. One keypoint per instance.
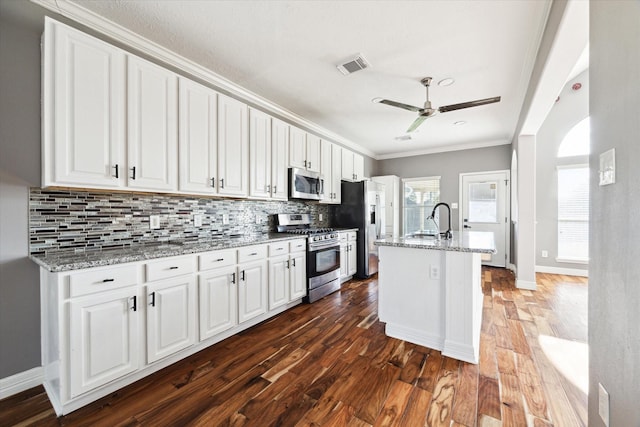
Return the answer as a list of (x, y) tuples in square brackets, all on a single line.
[(313, 153), (152, 112), (304, 150), (279, 159), (331, 170), (198, 145), (259, 154), (352, 166), (233, 147), (83, 110)]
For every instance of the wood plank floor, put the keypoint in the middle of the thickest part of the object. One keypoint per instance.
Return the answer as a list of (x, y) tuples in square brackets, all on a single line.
[(330, 364)]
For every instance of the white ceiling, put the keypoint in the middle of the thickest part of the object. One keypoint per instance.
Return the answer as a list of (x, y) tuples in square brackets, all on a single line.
[(287, 52)]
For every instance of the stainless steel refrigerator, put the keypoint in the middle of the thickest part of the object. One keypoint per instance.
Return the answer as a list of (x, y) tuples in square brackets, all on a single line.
[(362, 207)]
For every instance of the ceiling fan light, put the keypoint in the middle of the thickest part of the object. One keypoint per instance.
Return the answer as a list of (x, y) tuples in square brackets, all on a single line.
[(446, 82)]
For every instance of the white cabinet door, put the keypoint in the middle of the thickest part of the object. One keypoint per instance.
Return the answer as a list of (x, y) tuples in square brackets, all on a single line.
[(252, 290), (103, 338), (336, 173), (84, 110), (325, 171), (298, 275), (198, 138), (233, 147), (279, 268), (297, 148), (344, 260), (152, 113), (313, 153), (358, 167), (347, 165), (352, 253), (279, 159), (218, 301), (259, 154), (171, 315)]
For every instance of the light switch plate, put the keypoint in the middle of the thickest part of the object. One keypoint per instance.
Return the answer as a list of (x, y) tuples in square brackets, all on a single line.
[(197, 220), (319, 217), (434, 272), (607, 172), (154, 222), (225, 219)]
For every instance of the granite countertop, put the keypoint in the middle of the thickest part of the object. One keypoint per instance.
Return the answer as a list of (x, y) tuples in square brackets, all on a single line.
[(467, 241), (67, 261), (344, 230)]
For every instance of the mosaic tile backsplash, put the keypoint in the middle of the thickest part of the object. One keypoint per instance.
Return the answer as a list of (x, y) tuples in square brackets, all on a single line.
[(79, 220)]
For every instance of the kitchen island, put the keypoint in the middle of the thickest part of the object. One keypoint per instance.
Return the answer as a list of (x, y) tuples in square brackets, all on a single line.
[(430, 291)]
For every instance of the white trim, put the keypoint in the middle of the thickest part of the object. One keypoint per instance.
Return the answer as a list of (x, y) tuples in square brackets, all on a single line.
[(135, 41), (560, 270), (20, 382), (526, 284), (443, 149)]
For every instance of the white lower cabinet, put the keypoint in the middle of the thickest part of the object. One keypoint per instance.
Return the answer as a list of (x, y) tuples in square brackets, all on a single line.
[(171, 316), (252, 290), (218, 298), (103, 338), (348, 254), (95, 322)]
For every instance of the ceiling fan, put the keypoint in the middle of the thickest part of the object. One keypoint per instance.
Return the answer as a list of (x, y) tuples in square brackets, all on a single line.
[(427, 111)]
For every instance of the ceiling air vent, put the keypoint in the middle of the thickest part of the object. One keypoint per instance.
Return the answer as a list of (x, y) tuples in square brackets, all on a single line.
[(356, 64)]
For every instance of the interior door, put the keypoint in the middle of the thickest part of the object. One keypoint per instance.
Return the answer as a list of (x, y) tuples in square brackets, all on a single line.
[(484, 208)]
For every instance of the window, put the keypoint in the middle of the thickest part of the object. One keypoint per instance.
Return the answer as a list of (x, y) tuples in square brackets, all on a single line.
[(483, 202), (573, 213), (576, 142), (420, 196)]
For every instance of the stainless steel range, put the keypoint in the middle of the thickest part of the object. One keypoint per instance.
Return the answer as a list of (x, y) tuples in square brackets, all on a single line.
[(323, 254)]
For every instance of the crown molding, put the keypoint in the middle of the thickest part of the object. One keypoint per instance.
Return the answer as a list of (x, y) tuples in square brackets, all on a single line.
[(121, 34), (444, 149)]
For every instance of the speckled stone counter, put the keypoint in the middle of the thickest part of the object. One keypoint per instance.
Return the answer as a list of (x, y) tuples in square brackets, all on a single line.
[(467, 241), (68, 261)]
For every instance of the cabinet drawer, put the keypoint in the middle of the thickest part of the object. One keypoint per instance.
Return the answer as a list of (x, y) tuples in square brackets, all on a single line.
[(252, 253), (353, 235), (171, 267), (297, 245), (217, 259), (279, 248), (102, 279)]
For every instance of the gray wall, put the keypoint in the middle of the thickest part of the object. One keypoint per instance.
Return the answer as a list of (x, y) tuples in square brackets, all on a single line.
[(19, 169), (572, 107), (448, 166), (614, 270)]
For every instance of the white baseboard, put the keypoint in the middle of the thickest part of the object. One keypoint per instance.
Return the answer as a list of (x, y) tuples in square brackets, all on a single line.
[(526, 284), (560, 270), (20, 382)]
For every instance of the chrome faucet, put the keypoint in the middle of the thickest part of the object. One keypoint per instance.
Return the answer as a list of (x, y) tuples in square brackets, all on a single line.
[(447, 234)]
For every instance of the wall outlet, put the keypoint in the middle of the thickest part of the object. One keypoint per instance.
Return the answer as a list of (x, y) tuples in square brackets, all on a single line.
[(454, 205), (225, 219), (197, 220), (319, 217), (434, 272), (545, 254), (603, 404), (154, 222)]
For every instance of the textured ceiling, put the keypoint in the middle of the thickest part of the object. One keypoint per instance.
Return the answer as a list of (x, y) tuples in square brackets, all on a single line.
[(286, 52)]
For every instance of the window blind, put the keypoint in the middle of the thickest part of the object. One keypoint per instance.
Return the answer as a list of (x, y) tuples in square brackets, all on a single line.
[(573, 213)]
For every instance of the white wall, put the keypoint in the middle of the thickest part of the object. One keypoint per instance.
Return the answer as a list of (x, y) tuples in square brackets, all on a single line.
[(614, 270), (572, 107)]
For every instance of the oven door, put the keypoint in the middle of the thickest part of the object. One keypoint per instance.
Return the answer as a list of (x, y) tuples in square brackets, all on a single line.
[(323, 264), (305, 185)]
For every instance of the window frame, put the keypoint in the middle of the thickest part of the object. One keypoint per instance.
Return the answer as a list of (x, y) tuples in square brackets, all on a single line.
[(559, 220)]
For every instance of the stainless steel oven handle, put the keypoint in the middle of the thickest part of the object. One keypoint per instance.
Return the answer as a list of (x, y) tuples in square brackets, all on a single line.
[(317, 247)]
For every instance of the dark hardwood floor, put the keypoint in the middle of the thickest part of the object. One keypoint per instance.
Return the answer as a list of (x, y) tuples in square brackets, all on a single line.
[(330, 364)]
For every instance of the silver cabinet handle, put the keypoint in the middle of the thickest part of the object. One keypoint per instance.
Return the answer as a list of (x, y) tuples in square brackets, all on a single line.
[(153, 299), (213, 182), (116, 168), (221, 182), (233, 278), (268, 189), (134, 307), (305, 163), (275, 189), (133, 170)]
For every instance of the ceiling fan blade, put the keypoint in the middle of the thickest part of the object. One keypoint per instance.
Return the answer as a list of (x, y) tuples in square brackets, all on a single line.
[(397, 104), (417, 122), (469, 104)]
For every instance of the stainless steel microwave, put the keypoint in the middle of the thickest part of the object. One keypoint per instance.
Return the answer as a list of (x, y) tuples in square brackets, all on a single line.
[(304, 184)]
